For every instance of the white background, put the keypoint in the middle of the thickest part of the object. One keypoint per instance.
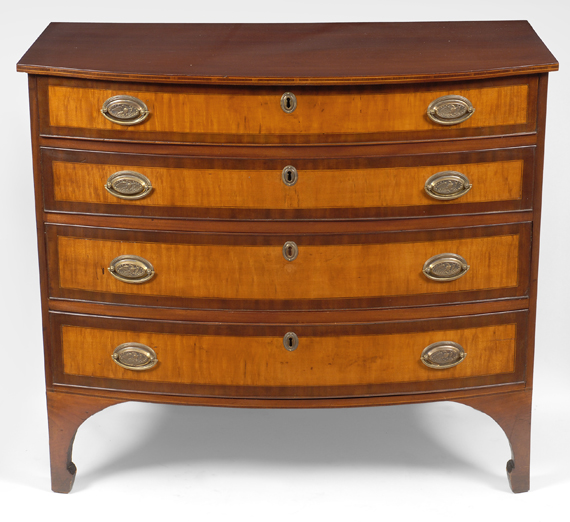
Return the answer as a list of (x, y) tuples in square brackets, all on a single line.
[(148, 462)]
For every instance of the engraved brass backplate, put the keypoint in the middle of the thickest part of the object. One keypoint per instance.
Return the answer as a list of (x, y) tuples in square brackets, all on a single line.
[(289, 175), (445, 267), (290, 250), (290, 341), (125, 110), (450, 110), (127, 184), (447, 185), (443, 355), (134, 356), (288, 102), (131, 269)]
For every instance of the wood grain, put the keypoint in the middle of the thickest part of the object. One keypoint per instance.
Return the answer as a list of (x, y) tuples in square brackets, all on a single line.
[(511, 411), (261, 272), (263, 361), (66, 413), (264, 189), (249, 112), (364, 186), (285, 54)]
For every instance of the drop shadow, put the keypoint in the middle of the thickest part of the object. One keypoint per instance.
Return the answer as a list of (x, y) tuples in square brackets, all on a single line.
[(381, 437)]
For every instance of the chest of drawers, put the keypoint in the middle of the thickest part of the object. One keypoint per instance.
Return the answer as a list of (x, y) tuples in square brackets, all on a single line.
[(288, 216)]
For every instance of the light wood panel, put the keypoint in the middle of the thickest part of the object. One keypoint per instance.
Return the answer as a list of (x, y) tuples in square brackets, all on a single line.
[(263, 361), (261, 272), (249, 112), (324, 188)]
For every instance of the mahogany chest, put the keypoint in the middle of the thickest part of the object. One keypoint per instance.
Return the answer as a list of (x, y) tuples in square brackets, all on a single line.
[(288, 216)]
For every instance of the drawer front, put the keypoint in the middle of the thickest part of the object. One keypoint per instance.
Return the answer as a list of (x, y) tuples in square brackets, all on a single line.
[(466, 182), (216, 114), (252, 361), (288, 272)]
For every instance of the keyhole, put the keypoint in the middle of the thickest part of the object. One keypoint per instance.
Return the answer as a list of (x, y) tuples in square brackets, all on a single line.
[(288, 102), (290, 341), (290, 250), (289, 175)]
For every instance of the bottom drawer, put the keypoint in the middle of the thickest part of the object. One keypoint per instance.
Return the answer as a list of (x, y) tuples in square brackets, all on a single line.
[(265, 361)]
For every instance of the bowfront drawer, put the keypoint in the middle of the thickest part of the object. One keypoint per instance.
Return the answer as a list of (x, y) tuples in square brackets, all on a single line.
[(294, 188), (323, 360), (300, 114), (288, 272)]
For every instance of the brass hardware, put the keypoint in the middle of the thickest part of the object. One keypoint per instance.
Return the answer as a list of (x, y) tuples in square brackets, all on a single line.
[(290, 341), (445, 267), (125, 110), (290, 175), (443, 355), (288, 102), (447, 185), (128, 184), (131, 269), (450, 110), (290, 250), (134, 356)]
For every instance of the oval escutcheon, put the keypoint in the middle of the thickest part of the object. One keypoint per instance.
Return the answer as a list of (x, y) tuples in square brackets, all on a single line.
[(290, 341), (134, 356), (450, 110), (131, 269), (125, 110), (445, 267), (288, 102), (447, 185), (128, 184), (443, 355)]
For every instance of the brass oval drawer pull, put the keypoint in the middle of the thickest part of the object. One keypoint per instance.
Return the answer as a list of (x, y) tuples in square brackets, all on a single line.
[(447, 185), (131, 269), (125, 110), (289, 175), (445, 267), (288, 102), (450, 110), (290, 250), (290, 341), (127, 184), (443, 355), (134, 356)]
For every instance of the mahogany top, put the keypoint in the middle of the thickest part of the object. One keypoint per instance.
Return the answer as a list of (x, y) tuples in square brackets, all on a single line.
[(336, 53)]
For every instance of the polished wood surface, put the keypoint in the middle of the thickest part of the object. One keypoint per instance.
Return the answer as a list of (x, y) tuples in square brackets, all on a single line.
[(289, 53), (296, 129), (288, 316), (511, 411), (246, 112), (237, 360), (263, 361), (229, 188), (327, 267), (215, 223), (326, 188), (65, 414)]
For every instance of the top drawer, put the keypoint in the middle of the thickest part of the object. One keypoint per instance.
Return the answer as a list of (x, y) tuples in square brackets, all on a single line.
[(286, 115)]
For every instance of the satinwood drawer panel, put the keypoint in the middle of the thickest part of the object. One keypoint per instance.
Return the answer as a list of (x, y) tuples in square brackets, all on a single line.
[(221, 114), (75, 181), (251, 271), (251, 360)]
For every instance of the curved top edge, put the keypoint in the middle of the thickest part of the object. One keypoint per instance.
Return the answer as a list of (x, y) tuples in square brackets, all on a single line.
[(270, 54)]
